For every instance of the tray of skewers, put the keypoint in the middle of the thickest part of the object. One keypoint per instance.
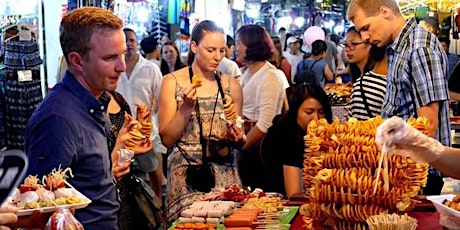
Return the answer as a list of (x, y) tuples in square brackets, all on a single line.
[(234, 207), (51, 193)]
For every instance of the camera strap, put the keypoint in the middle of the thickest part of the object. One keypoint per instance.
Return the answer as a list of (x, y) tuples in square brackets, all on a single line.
[(204, 141)]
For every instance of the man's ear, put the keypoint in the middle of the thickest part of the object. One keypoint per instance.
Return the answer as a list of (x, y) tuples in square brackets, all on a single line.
[(385, 12), (75, 60)]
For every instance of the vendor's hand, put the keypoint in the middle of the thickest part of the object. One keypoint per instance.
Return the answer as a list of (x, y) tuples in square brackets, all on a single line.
[(404, 140), (8, 215), (119, 171), (37, 220)]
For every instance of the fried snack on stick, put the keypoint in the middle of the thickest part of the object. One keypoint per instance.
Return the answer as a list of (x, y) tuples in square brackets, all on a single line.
[(229, 109), (144, 118), (196, 81), (137, 136)]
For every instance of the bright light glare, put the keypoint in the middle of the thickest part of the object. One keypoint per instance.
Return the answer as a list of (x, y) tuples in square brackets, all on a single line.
[(284, 22), (142, 14), (339, 29), (252, 12), (299, 21), (329, 24)]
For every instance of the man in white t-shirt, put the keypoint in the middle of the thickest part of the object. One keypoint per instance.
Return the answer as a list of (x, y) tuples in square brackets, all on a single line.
[(294, 56), (227, 65)]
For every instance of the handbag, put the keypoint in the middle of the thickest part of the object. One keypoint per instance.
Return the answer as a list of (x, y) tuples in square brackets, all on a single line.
[(147, 213)]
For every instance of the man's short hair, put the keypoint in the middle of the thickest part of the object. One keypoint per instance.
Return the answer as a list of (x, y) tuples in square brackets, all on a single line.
[(282, 29), (370, 8), (78, 26), (432, 22), (149, 45)]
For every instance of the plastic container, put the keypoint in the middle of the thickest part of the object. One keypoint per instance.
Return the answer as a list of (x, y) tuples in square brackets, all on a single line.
[(450, 218)]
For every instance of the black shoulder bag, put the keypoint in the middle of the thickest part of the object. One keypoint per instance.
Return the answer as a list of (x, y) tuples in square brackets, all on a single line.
[(200, 177)]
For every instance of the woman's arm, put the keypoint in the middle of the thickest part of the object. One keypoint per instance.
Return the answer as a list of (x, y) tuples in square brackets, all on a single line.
[(292, 180), (173, 116)]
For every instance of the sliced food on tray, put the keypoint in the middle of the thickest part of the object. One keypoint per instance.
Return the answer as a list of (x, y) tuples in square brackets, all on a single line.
[(52, 191)]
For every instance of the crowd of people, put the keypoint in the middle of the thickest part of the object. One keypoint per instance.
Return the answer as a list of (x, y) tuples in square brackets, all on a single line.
[(397, 69)]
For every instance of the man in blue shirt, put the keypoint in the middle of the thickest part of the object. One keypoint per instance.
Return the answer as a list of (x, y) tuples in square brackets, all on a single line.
[(71, 126), (453, 59), (417, 69)]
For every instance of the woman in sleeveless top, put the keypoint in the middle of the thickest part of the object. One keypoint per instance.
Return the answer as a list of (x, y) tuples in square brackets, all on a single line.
[(179, 122), (129, 215)]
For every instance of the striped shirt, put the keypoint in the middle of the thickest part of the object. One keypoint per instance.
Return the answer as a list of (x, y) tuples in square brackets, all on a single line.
[(417, 76), (371, 87)]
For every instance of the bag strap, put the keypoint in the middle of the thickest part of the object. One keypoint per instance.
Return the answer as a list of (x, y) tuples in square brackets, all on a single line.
[(311, 66), (217, 75), (203, 141), (366, 105)]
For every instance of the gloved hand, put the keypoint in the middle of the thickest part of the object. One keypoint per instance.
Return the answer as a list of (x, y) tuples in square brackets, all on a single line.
[(404, 140)]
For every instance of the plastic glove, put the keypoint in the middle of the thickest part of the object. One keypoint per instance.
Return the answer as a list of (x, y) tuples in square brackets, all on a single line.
[(404, 140)]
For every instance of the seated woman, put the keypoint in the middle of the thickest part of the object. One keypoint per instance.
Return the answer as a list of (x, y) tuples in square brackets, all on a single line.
[(282, 148)]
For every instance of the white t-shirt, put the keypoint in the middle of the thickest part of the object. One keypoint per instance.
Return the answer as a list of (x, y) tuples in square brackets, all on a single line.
[(263, 95), (229, 67), (294, 60)]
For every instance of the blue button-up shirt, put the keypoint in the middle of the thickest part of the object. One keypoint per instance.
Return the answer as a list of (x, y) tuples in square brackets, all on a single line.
[(70, 128), (417, 76)]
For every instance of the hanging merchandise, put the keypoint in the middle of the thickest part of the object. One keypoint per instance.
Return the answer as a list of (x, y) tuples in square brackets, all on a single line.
[(456, 31), (173, 11), (2, 108), (186, 10), (23, 90)]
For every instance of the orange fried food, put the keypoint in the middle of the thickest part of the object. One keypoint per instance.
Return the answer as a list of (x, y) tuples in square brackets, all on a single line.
[(196, 81), (229, 109), (136, 136), (144, 118)]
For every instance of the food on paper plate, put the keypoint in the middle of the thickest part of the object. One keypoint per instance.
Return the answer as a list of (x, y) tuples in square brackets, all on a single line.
[(454, 204), (51, 192), (196, 81)]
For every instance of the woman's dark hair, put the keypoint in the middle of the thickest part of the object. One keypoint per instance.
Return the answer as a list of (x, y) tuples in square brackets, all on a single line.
[(230, 41), (377, 53), (164, 65), (335, 38), (258, 42), (305, 91), (317, 47), (355, 72), (198, 33)]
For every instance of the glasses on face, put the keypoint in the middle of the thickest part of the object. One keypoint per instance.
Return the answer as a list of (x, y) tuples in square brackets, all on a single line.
[(352, 45)]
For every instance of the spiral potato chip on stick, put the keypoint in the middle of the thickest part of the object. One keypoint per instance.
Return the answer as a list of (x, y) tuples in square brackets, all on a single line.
[(137, 136), (229, 109), (144, 118), (196, 81)]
